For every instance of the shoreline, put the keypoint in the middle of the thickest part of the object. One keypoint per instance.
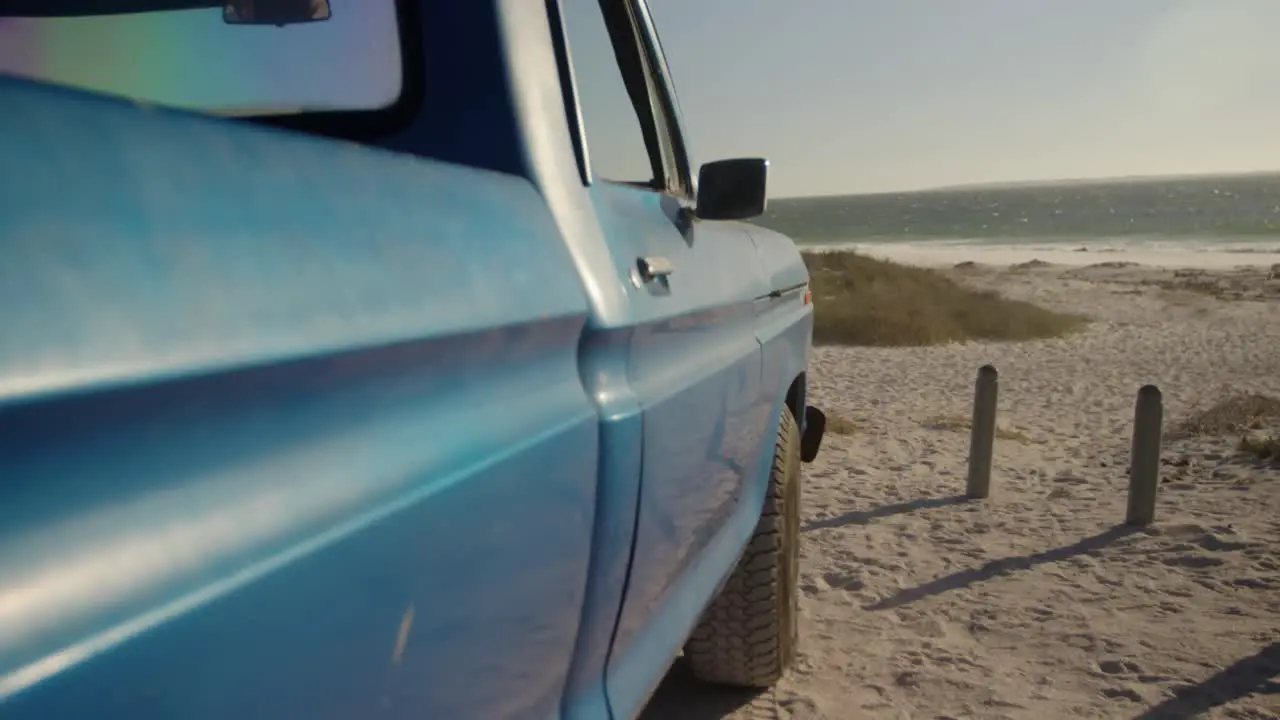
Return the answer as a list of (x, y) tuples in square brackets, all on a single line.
[(942, 253)]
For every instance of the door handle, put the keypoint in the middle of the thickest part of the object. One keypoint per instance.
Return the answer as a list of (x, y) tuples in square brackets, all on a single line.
[(653, 267)]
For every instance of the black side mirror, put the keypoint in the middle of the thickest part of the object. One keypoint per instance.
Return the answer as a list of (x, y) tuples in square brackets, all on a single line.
[(732, 189)]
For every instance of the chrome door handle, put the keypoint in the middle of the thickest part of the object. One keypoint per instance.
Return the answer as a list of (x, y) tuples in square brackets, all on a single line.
[(653, 267)]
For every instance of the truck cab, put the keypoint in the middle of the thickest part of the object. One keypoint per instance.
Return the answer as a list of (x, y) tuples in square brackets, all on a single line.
[(383, 358)]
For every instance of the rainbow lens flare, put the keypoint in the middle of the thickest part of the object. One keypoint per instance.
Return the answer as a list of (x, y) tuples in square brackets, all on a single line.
[(191, 59)]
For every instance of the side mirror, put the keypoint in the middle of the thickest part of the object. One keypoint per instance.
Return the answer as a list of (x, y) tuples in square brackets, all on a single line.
[(732, 189), (274, 12)]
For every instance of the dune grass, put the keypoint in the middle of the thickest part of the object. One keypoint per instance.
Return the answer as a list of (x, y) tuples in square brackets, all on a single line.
[(840, 425), (1263, 448), (863, 301), (1242, 415), (1233, 415)]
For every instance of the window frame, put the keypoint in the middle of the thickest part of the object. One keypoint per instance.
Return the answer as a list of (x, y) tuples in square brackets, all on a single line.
[(627, 23), (666, 91)]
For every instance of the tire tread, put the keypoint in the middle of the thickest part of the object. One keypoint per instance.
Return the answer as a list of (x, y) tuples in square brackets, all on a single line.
[(744, 637)]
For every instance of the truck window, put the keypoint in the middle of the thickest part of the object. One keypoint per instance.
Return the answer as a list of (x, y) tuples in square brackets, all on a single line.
[(212, 57), (614, 114)]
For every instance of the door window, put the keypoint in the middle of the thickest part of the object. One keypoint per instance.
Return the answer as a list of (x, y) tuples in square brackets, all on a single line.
[(626, 140)]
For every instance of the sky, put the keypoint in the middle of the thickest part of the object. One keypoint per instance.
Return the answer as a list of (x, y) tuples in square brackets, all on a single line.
[(842, 96), (849, 96)]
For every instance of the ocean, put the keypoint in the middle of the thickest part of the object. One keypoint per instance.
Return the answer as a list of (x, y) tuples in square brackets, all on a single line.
[(1197, 221)]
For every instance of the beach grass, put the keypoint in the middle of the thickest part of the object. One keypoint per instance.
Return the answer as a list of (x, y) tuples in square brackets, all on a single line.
[(1245, 415), (1233, 415), (840, 425), (1263, 448), (863, 301)]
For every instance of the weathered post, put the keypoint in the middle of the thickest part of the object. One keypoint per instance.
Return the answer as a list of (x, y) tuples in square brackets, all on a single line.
[(1144, 457), (982, 432)]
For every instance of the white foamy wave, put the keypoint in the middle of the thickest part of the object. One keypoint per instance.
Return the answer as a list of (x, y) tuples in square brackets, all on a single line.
[(1189, 253)]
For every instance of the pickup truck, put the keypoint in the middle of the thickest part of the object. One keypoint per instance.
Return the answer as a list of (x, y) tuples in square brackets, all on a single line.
[(345, 374)]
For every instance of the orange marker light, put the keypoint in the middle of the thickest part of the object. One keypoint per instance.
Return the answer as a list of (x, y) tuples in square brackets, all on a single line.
[(808, 296)]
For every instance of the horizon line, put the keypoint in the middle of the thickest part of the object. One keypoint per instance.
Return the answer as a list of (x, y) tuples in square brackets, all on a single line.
[(1048, 182)]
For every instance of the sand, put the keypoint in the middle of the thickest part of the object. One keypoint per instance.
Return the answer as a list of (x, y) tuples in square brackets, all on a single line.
[(1037, 603)]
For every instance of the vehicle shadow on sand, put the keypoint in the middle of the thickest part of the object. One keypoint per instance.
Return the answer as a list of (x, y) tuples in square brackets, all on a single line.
[(681, 697)]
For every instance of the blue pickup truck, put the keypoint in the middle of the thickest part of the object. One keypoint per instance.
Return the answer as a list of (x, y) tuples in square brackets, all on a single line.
[(382, 358)]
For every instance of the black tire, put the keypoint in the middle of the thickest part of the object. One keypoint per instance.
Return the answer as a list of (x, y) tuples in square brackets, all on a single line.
[(747, 637)]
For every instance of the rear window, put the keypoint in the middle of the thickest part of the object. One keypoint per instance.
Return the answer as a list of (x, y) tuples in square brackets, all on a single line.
[(262, 59)]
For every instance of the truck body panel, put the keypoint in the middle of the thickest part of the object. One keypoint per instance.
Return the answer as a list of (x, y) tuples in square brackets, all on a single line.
[(784, 327), (694, 365), (244, 432)]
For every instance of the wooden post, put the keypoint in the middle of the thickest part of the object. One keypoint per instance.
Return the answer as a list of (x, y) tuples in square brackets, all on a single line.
[(1144, 458), (982, 432)]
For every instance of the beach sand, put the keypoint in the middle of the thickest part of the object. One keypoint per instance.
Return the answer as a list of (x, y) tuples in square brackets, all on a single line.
[(1037, 603)]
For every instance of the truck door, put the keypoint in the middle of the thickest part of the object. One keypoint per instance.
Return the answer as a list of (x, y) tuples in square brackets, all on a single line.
[(290, 428), (694, 362)]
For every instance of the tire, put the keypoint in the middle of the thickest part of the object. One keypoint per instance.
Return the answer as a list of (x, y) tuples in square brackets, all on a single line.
[(747, 637)]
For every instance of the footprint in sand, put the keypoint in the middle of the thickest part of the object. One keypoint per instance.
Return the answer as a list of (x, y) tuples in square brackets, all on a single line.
[(1118, 666), (844, 581), (1194, 562), (1121, 692)]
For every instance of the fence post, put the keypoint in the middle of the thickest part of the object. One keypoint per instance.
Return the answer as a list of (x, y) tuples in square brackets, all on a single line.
[(1144, 457), (982, 433)]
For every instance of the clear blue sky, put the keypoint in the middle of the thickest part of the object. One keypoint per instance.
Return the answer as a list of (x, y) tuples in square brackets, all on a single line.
[(855, 95)]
